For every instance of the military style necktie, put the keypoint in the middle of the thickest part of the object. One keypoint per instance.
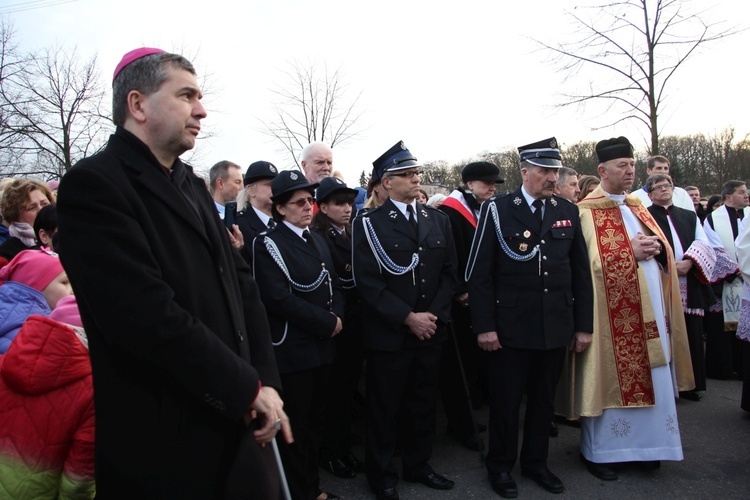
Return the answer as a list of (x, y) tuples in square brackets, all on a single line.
[(271, 223), (308, 238), (411, 217), (538, 212)]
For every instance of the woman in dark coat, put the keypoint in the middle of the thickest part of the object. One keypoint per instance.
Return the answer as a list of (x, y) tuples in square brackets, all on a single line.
[(462, 207), (305, 307), (333, 223)]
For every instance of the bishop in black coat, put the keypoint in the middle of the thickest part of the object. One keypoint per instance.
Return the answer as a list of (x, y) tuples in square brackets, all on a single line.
[(178, 336)]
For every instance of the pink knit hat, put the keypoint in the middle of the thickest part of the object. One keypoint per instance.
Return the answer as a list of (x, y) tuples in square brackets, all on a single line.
[(66, 311), (33, 268), (134, 55)]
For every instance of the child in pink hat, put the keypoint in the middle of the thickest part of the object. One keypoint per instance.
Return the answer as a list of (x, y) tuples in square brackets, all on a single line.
[(33, 283)]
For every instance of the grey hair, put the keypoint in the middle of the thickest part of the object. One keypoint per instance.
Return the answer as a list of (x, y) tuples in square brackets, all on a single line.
[(309, 147), (220, 171), (563, 174)]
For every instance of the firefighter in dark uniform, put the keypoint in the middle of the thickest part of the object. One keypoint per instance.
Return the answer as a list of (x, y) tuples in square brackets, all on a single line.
[(255, 217), (531, 299), (332, 222), (305, 307), (404, 263)]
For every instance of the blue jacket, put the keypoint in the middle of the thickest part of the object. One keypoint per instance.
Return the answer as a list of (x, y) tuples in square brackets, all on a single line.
[(17, 302), (4, 233)]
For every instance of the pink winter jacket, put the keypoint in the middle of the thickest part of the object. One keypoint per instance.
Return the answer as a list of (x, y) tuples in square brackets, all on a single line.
[(46, 414)]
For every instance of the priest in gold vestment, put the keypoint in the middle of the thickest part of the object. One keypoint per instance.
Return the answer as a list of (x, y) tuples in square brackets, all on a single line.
[(624, 386)]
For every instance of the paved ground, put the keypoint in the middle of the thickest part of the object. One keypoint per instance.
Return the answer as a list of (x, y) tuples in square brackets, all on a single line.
[(715, 438)]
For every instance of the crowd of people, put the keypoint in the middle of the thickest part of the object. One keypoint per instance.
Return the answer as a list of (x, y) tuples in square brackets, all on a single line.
[(220, 336)]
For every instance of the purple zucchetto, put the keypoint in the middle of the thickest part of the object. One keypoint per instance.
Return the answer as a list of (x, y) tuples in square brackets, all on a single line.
[(134, 55)]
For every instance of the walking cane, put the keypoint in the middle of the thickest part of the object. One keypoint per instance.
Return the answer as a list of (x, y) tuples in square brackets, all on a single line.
[(468, 394), (282, 474)]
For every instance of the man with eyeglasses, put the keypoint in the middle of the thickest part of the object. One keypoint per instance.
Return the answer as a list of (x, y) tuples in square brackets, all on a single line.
[(659, 164), (694, 260), (404, 264)]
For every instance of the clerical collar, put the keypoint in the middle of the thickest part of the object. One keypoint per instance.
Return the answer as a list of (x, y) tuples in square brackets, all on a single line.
[(663, 207), (619, 198)]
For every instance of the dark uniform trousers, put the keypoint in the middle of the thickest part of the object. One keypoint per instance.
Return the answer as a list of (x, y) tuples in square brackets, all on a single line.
[(402, 371), (535, 306), (346, 370)]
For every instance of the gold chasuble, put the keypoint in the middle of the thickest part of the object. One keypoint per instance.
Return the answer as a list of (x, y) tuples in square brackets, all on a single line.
[(615, 371)]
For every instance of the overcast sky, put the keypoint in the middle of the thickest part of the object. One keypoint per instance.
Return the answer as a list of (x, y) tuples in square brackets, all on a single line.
[(451, 79)]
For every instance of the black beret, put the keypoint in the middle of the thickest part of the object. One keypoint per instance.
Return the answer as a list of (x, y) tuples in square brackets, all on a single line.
[(481, 171), (610, 149)]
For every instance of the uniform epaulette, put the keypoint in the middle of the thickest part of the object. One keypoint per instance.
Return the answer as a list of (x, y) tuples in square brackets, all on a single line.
[(368, 211), (442, 214)]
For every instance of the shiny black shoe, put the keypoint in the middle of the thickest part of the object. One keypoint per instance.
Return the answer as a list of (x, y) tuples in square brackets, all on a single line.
[(353, 462), (386, 494), (690, 396), (503, 485), (545, 478), (603, 472), (432, 480), (337, 467), (553, 430)]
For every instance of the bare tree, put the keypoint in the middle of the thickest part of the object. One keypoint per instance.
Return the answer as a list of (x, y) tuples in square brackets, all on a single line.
[(12, 63), (312, 106), (50, 106), (636, 46), (581, 157), (441, 173), (57, 105)]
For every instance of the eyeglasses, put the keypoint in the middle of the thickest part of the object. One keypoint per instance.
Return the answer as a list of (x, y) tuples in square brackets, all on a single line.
[(303, 201), (408, 175), (661, 187)]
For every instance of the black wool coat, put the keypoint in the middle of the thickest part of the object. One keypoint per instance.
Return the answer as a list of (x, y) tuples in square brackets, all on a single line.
[(178, 336)]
